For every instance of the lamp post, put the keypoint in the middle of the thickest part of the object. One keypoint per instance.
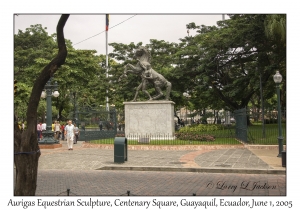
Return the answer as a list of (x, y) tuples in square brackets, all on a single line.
[(277, 79), (187, 96), (48, 135), (75, 111)]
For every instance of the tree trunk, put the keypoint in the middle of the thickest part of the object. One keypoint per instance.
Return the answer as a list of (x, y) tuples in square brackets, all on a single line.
[(26, 161), (26, 148), (60, 113)]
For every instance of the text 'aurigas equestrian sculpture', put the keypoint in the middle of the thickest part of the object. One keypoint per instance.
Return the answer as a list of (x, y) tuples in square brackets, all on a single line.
[(144, 70)]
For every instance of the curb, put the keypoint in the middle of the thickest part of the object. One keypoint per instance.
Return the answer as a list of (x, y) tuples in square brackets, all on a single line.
[(199, 170)]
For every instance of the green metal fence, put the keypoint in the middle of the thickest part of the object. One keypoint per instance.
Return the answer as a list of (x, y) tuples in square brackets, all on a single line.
[(96, 124), (237, 131), (256, 135), (264, 130)]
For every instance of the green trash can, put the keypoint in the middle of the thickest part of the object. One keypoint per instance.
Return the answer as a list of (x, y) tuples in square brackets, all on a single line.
[(120, 150)]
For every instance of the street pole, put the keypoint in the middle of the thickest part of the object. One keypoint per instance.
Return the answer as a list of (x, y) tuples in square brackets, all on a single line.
[(106, 33), (75, 110), (76, 115), (48, 135), (262, 106), (186, 95), (277, 79), (280, 137)]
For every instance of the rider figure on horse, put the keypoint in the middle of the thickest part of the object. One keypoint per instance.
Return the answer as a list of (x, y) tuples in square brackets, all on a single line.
[(158, 80), (143, 68)]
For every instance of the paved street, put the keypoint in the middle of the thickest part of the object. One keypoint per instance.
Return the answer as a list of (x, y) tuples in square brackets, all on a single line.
[(154, 183), (92, 171)]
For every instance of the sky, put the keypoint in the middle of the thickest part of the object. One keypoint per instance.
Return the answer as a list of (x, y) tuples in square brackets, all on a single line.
[(88, 31), (139, 28)]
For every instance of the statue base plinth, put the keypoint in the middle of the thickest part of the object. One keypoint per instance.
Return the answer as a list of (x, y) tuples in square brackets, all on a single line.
[(149, 120)]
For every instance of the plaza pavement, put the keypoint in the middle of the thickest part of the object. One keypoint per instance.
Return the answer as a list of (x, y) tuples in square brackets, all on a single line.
[(91, 171), (222, 159)]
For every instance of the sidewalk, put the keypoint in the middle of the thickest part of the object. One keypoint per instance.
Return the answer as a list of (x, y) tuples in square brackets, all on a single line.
[(90, 170), (222, 159)]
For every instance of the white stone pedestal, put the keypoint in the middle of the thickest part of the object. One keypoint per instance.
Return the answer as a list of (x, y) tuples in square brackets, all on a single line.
[(149, 120)]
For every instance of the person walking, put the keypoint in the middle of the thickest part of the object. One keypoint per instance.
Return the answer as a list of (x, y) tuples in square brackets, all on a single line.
[(44, 126), (69, 134), (39, 131), (57, 129), (76, 132), (182, 123), (62, 128)]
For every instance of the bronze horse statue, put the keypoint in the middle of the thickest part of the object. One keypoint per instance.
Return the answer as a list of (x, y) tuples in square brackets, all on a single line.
[(143, 68)]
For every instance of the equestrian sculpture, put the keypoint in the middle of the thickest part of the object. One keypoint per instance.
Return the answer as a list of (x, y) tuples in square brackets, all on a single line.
[(144, 70)]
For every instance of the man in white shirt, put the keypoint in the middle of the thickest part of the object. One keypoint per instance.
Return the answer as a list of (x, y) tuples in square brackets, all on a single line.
[(69, 134), (44, 126)]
